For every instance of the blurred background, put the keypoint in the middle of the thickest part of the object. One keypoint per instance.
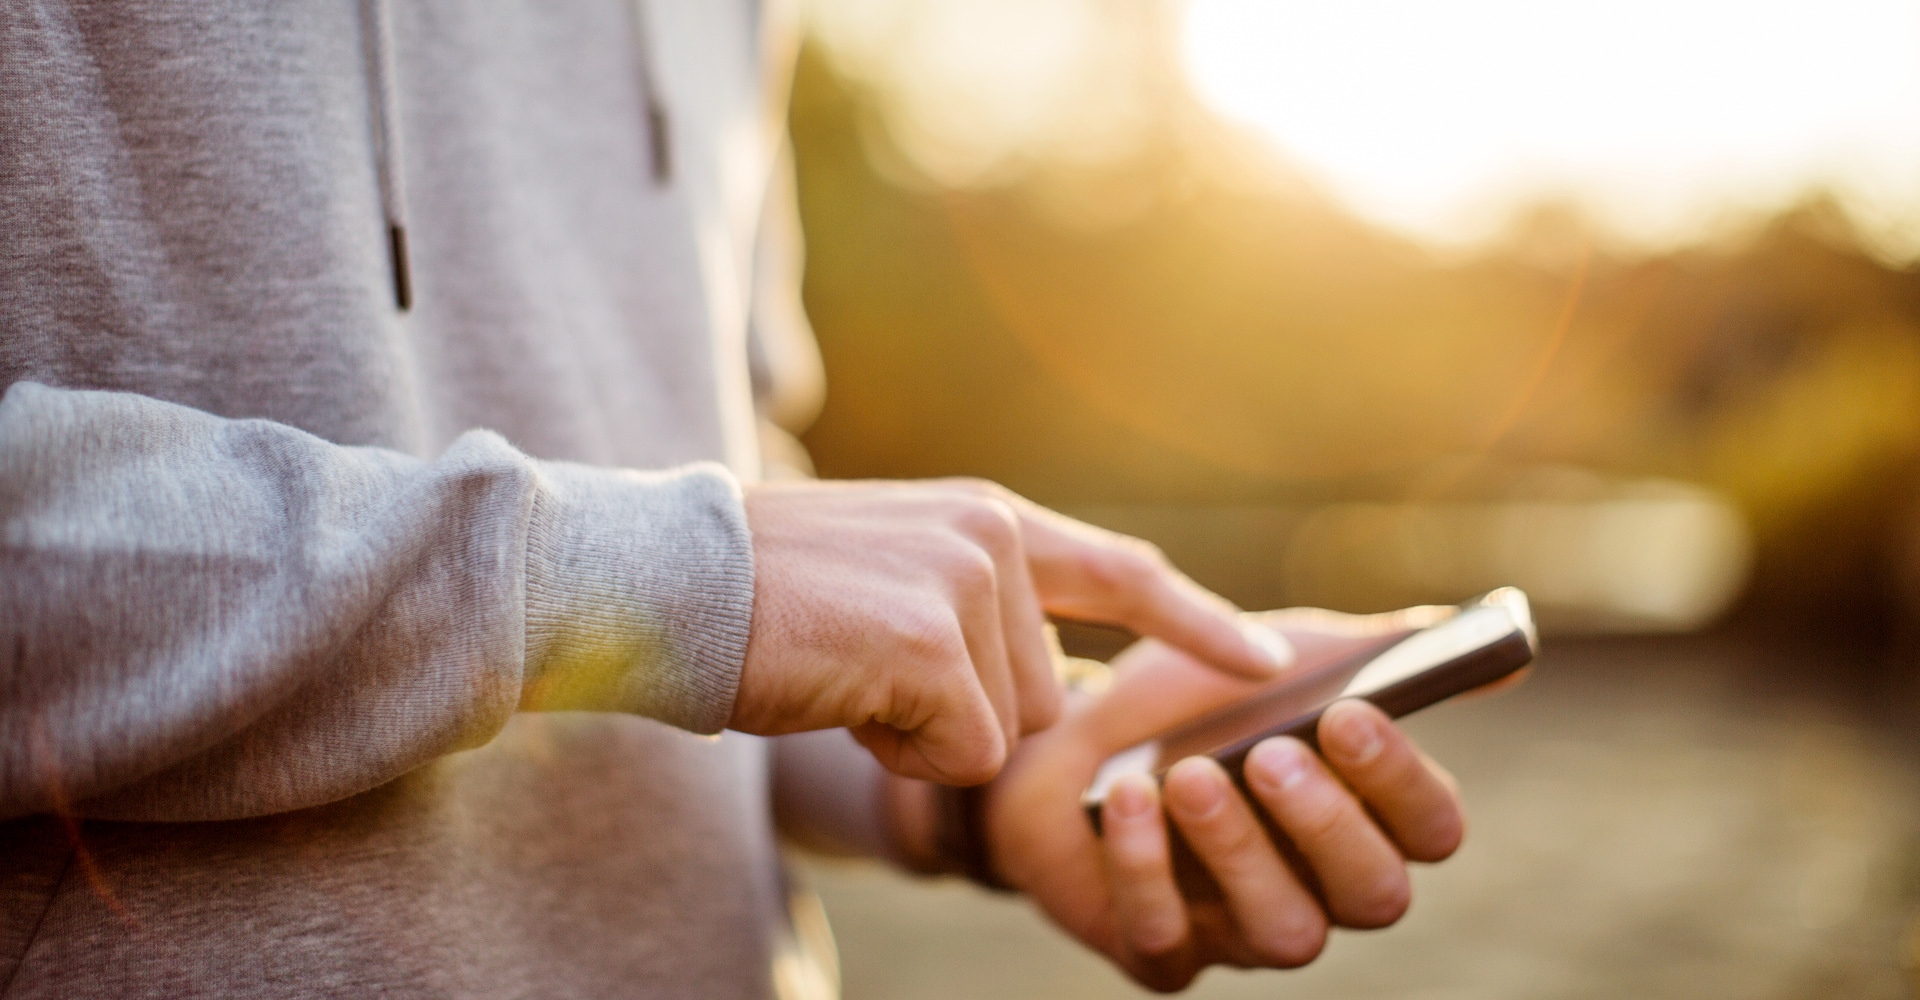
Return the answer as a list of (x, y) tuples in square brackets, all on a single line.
[(1367, 303)]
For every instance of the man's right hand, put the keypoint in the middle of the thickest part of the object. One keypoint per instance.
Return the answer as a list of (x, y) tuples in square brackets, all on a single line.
[(914, 615)]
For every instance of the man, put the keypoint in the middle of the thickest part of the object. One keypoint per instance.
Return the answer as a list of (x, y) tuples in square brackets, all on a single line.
[(344, 654)]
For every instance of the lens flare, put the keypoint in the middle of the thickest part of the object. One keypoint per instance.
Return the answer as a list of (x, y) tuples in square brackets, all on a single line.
[(1665, 116)]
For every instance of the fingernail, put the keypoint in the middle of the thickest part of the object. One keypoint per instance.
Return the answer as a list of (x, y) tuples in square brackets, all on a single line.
[(1279, 764), (1198, 795), (1356, 736), (1270, 646), (1130, 796)]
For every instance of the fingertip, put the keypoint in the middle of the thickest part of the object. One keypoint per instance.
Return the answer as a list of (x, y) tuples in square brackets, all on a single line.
[(1158, 938), (1354, 732), (1295, 942), (1383, 905), (1442, 836), (1243, 649), (1131, 798), (1158, 976), (1268, 649), (1358, 706), (1279, 764), (1196, 788)]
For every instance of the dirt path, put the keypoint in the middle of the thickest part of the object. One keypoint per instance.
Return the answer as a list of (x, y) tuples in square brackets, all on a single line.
[(1652, 819)]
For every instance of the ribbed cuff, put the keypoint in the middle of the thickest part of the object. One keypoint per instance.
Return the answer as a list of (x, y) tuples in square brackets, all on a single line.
[(639, 593)]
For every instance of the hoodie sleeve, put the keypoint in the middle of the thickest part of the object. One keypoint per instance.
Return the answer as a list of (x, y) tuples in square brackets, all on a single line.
[(204, 618)]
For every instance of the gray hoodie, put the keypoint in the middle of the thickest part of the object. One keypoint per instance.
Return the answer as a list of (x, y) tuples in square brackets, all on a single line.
[(342, 650)]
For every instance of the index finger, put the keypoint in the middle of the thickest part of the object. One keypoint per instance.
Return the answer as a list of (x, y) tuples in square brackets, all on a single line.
[(1096, 575)]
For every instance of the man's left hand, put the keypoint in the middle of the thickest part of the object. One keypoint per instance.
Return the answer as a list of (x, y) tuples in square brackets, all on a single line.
[(1357, 816)]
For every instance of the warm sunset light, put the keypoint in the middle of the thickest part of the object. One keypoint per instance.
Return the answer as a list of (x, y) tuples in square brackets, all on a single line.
[(1662, 115)]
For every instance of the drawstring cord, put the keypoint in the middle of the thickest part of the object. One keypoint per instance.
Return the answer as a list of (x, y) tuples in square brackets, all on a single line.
[(378, 31), (658, 133)]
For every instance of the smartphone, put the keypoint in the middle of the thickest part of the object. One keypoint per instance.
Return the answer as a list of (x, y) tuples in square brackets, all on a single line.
[(1401, 661)]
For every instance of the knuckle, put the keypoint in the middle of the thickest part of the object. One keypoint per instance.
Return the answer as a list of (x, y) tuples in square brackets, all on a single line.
[(1040, 711), (1144, 564), (1148, 555), (1398, 774), (1398, 764), (979, 765), (1322, 819), (1096, 566), (1239, 838), (1121, 570), (969, 566), (931, 637), (1225, 835), (975, 759), (989, 521)]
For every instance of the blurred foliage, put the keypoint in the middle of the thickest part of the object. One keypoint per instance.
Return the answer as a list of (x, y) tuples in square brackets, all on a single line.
[(1196, 326)]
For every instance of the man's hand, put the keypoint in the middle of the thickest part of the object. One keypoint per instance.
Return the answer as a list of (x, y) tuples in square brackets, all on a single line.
[(914, 614), (1374, 803)]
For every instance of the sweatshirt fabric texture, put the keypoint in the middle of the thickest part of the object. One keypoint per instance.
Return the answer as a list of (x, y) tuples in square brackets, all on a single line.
[(343, 650)]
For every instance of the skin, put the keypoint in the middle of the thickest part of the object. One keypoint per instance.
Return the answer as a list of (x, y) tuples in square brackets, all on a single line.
[(1359, 815), (914, 615)]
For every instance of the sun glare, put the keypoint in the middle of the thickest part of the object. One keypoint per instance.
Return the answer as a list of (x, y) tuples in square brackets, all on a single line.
[(1663, 116)]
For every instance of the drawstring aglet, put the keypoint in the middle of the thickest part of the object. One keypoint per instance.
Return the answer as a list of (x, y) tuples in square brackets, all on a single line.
[(402, 267), (657, 134)]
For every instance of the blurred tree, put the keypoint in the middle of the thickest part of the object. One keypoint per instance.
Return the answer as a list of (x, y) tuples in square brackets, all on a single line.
[(1191, 324)]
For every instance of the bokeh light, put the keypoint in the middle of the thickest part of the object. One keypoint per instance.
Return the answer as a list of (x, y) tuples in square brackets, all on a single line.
[(1339, 276), (1360, 304), (1666, 117)]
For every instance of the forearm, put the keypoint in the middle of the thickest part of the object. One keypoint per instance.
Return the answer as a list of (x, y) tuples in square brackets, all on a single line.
[(208, 618)]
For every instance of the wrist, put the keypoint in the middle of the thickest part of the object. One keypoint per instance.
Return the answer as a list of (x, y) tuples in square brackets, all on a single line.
[(960, 834), (638, 593), (938, 830), (911, 811)]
